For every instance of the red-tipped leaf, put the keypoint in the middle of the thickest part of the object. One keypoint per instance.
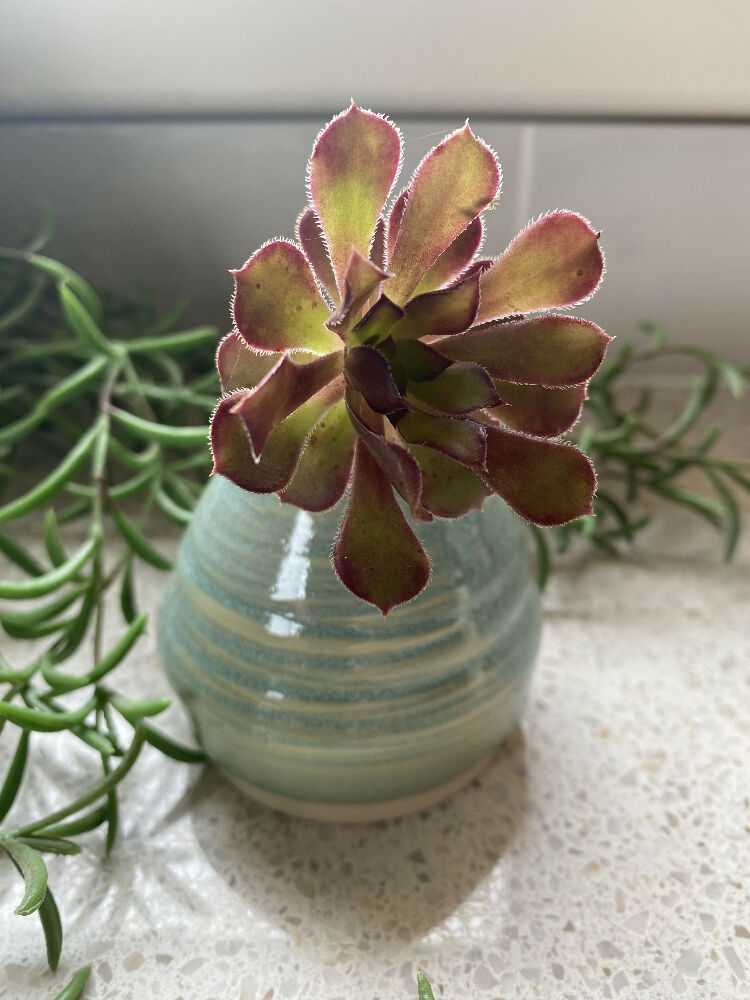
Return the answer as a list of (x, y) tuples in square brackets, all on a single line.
[(277, 305), (376, 554), (419, 361), (240, 367), (554, 262), (368, 372), (324, 468), (393, 458), (233, 453), (462, 440), (448, 489), (377, 250), (394, 223), (459, 389), (313, 243), (377, 322), (442, 313), (454, 182), (546, 482), (285, 388), (539, 409), (354, 163), (361, 278), (453, 261), (552, 350)]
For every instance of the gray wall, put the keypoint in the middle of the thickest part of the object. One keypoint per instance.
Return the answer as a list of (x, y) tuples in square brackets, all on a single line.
[(178, 203)]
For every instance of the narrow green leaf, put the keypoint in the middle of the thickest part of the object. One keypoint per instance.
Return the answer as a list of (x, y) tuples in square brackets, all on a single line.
[(65, 275), (542, 554), (51, 845), (173, 510), (49, 916), (38, 631), (45, 584), (45, 721), (173, 437), (68, 643), (185, 340), (34, 871), (89, 821), (138, 542), (705, 507), (83, 324), (60, 681), (134, 711), (174, 750), (17, 554), (52, 540), (14, 776), (424, 990), (56, 479), (101, 788), (22, 309), (127, 595), (732, 516), (74, 989)]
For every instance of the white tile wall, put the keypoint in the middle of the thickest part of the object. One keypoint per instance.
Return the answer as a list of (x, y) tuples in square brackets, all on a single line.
[(178, 204)]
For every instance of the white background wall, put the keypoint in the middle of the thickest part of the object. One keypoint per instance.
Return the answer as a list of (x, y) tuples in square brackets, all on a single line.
[(601, 56), (147, 183)]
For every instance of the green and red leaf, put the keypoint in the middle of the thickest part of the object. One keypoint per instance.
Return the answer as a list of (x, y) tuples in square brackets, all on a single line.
[(368, 372), (394, 223), (440, 314), (448, 489), (233, 453), (325, 465), (377, 250), (546, 482), (454, 260), (393, 457), (459, 389), (454, 182), (313, 243), (361, 278), (277, 305), (418, 361), (355, 161), (539, 409), (554, 262), (462, 440), (376, 554), (240, 367), (376, 324), (283, 390), (551, 350)]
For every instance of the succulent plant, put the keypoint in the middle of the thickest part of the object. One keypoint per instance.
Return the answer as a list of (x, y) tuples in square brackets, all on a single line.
[(378, 349)]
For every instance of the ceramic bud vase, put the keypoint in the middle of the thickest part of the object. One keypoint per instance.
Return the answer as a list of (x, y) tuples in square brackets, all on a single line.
[(311, 701)]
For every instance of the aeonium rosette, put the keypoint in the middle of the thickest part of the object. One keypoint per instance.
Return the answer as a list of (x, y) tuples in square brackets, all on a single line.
[(378, 350)]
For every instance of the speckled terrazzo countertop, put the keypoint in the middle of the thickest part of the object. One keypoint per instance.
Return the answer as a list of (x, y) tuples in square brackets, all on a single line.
[(604, 854)]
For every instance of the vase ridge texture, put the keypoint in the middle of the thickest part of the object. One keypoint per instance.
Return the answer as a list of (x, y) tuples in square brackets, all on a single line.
[(312, 701)]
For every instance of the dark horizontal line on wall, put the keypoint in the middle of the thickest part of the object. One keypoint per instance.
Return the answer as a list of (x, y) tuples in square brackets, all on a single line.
[(182, 117)]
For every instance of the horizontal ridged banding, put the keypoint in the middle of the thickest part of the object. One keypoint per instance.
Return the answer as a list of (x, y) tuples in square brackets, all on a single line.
[(297, 687)]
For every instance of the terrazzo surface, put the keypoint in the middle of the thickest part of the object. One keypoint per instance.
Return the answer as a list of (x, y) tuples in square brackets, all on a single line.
[(605, 853)]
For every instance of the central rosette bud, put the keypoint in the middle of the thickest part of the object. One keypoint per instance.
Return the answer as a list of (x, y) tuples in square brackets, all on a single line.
[(379, 351)]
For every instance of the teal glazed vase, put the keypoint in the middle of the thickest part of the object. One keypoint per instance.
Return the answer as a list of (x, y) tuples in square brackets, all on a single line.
[(311, 701)]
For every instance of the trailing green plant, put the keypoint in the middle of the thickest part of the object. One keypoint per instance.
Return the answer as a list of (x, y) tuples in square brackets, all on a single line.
[(637, 457), (77, 380), (378, 352)]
